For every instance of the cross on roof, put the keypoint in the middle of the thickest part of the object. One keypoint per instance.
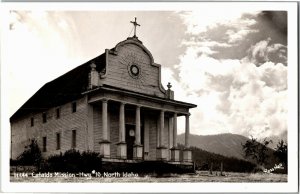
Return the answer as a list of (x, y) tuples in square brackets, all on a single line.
[(135, 25)]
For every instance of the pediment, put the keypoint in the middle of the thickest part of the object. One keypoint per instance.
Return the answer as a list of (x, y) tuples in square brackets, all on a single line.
[(130, 66)]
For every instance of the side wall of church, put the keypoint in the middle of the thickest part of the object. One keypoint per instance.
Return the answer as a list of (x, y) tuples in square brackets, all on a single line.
[(23, 132)]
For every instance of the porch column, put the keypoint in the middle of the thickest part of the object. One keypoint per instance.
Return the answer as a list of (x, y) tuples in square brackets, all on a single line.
[(187, 153), (175, 151), (162, 150), (138, 148), (162, 128), (187, 130), (175, 130), (138, 125), (122, 148), (122, 122), (104, 119), (104, 143)]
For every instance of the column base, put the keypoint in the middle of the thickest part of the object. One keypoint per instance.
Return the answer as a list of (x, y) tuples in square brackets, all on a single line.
[(105, 148), (161, 153), (122, 150), (175, 153), (187, 155), (138, 152)]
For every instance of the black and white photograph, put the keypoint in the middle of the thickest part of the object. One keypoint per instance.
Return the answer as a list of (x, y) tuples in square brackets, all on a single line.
[(150, 92)]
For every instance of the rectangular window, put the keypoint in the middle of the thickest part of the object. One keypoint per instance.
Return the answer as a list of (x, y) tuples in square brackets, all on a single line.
[(44, 144), (58, 141), (44, 117), (32, 122), (74, 107), (58, 113), (73, 138)]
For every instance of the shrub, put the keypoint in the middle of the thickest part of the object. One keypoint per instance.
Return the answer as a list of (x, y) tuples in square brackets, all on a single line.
[(73, 161), (31, 156), (91, 161), (54, 163)]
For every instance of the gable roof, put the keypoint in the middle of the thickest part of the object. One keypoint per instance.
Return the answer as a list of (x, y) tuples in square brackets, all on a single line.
[(63, 89)]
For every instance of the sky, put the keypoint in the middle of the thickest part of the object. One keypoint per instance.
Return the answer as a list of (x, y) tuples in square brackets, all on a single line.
[(232, 65)]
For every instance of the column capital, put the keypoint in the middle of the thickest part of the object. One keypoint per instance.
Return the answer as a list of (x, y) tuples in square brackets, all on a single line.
[(104, 100), (122, 103), (188, 114)]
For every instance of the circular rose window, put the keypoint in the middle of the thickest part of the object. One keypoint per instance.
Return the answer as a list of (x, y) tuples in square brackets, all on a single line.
[(134, 70)]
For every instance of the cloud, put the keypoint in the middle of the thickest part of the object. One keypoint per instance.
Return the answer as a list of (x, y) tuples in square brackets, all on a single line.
[(238, 35), (235, 70), (231, 37), (263, 52), (218, 33), (233, 95), (200, 21)]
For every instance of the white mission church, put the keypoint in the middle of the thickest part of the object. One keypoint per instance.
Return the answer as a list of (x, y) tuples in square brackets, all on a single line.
[(113, 104)]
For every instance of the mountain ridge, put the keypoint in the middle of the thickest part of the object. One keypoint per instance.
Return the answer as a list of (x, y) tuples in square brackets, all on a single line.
[(226, 144)]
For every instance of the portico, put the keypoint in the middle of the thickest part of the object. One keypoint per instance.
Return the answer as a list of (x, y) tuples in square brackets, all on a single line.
[(153, 123)]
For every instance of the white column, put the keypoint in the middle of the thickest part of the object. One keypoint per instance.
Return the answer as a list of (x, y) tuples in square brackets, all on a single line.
[(105, 144), (104, 120), (122, 147), (187, 130), (162, 127), (175, 130), (170, 132), (138, 125), (122, 122)]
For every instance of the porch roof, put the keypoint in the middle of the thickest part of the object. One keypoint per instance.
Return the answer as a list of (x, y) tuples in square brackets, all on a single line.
[(137, 95)]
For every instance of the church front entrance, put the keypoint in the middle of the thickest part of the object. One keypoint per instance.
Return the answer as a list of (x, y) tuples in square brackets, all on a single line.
[(130, 138)]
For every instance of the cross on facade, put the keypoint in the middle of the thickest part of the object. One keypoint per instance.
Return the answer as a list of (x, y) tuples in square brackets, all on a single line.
[(135, 25)]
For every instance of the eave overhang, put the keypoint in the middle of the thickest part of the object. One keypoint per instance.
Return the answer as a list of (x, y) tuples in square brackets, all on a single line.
[(106, 88)]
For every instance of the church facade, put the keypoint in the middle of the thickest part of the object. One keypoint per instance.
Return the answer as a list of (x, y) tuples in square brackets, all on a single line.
[(113, 104)]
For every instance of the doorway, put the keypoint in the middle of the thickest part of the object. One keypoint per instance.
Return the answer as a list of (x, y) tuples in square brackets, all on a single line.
[(130, 139)]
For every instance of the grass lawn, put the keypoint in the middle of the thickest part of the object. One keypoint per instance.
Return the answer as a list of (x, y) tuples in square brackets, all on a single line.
[(199, 176)]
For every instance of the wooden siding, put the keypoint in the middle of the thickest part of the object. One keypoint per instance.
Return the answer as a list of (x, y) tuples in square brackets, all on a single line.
[(114, 131), (118, 71), (97, 123), (23, 132), (152, 119)]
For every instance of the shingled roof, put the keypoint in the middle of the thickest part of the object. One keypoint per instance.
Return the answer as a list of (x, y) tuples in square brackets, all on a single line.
[(63, 89)]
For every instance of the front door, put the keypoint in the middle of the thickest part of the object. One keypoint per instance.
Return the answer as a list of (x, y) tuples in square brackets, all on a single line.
[(130, 138)]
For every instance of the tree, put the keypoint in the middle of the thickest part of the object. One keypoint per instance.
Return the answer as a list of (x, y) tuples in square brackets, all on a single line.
[(281, 152), (256, 150), (32, 155)]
